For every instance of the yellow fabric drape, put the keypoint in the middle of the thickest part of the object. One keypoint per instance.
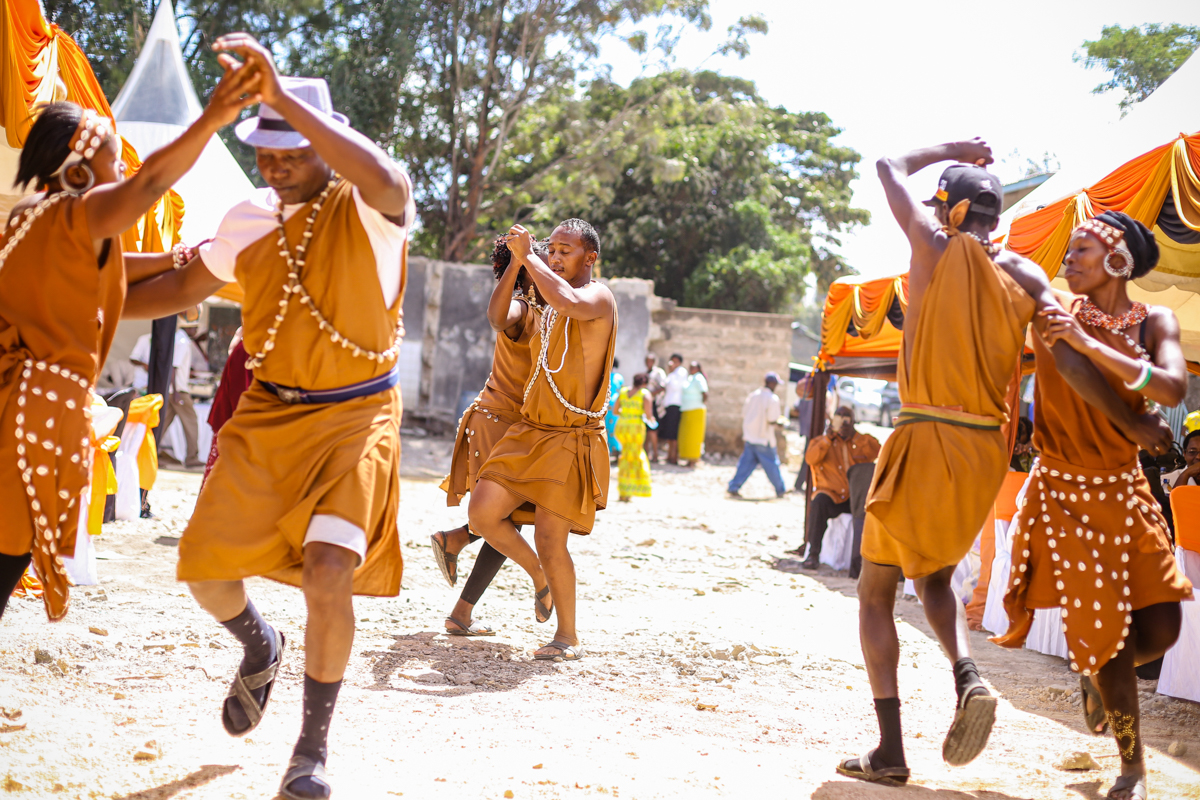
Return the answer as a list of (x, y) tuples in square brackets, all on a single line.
[(37, 55), (1139, 188), (145, 410), (104, 482)]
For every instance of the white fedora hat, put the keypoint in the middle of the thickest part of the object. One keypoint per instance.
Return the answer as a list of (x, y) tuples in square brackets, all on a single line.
[(271, 130)]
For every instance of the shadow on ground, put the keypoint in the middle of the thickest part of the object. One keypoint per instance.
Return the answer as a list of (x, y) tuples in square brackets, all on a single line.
[(424, 664), (206, 774)]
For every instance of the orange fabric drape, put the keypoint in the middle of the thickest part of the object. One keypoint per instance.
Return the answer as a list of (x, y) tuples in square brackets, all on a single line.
[(36, 53), (863, 304), (1138, 188)]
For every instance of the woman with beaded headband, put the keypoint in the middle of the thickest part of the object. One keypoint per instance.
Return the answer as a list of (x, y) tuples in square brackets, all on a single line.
[(1091, 540), (306, 488), (63, 281), (514, 315)]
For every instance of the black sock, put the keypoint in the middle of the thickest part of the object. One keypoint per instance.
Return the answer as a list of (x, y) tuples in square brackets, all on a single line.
[(258, 639), (472, 538), (319, 700), (890, 752), (483, 571), (966, 677), (11, 570)]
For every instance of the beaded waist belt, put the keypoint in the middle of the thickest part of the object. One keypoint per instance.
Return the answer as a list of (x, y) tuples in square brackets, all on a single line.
[(915, 412), (291, 395)]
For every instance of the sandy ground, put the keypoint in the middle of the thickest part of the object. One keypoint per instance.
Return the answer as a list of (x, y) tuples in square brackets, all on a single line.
[(712, 671)]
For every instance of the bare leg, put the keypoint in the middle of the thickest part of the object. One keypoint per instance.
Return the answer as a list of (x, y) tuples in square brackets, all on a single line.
[(489, 512), (881, 651), (327, 582), (1153, 631), (945, 613), (550, 535), (673, 451), (877, 627), (652, 446)]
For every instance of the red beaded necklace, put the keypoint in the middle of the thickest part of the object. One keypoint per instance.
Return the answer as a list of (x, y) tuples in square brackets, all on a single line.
[(1090, 314)]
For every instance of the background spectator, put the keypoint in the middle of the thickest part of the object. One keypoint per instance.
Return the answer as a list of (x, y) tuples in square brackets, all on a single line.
[(668, 426), (656, 384), (830, 457), (693, 415), (760, 415)]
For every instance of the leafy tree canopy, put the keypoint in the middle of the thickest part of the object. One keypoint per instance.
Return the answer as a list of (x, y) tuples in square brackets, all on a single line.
[(1139, 58), (694, 181)]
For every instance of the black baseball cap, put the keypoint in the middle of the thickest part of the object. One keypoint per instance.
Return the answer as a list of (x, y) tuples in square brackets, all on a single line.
[(969, 182)]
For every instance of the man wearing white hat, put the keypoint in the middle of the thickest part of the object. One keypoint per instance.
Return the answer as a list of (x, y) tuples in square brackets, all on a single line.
[(306, 489)]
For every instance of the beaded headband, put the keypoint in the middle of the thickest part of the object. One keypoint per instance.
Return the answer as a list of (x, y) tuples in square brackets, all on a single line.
[(92, 132), (1114, 240)]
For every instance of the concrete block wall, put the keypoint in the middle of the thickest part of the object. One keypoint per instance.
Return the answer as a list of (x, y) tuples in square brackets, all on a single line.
[(736, 349)]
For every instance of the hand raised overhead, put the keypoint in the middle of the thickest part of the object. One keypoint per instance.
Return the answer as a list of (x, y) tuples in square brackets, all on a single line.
[(253, 55), (239, 87)]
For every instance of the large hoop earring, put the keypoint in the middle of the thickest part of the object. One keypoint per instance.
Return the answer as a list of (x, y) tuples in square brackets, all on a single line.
[(1122, 271), (75, 191)]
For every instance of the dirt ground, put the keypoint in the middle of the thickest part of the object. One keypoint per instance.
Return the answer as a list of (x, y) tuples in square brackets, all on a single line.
[(712, 671)]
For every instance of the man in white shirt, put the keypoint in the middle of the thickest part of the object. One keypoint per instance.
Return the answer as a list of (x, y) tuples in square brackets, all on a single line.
[(760, 416), (668, 426)]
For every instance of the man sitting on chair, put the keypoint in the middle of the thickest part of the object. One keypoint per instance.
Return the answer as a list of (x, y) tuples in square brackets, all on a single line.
[(830, 457)]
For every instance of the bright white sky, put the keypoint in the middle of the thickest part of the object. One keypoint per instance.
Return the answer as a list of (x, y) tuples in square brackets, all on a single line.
[(896, 76)]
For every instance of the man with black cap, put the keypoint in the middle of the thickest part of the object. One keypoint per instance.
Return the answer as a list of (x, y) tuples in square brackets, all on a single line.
[(969, 305), (306, 489), (761, 414)]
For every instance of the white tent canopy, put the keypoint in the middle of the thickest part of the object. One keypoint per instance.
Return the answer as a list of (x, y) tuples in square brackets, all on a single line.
[(155, 105)]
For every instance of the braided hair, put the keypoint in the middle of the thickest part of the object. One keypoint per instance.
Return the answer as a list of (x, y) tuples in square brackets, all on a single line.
[(1138, 238)]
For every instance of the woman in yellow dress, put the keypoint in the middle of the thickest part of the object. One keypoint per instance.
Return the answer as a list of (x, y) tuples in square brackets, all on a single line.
[(635, 412), (693, 416)]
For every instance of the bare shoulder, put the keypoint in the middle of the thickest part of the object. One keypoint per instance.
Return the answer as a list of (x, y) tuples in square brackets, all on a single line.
[(1162, 320), (1027, 273)]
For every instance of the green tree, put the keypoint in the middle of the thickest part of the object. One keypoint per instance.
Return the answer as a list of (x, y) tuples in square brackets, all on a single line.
[(694, 182), (480, 66), (1139, 58)]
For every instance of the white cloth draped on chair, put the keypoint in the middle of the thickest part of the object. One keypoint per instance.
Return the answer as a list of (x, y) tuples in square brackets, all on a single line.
[(838, 544), (1180, 671)]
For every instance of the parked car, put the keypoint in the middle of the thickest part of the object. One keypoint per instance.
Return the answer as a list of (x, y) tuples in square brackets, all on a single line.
[(863, 396)]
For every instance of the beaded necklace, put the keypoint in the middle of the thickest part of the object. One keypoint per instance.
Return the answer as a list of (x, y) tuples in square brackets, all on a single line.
[(27, 218), (1091, 314), (549, 317), (991, 248), (295, 264)]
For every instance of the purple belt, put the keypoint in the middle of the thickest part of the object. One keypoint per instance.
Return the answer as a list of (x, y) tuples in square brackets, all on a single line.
[(291, 395)]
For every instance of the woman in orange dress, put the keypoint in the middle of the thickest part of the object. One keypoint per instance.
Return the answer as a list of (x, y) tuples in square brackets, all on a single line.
[(513, 315), (1091, 539), (63, 279)]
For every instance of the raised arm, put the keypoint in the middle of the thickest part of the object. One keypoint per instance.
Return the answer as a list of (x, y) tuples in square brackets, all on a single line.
[(383, 184), (505, 312), (591, 301), (1148, 431), (907, 210), (114, 208)]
